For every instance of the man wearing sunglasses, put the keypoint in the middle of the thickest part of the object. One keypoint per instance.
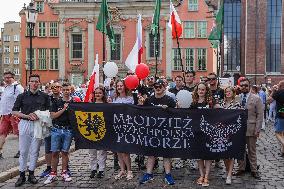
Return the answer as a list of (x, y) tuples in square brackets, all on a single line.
[(8, 122), (253, 104), (158, 99), (216, 91), (55, 95)]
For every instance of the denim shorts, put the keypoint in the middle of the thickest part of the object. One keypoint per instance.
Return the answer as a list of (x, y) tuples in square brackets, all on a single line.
[(279, 125), (47, 144), (61, 139)]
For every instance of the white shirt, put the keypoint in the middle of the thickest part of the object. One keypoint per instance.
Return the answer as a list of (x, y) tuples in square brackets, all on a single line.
[(124, 100), (8, 98)]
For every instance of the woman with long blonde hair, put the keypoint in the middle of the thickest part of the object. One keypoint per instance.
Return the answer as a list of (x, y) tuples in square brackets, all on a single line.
[(230, 102)]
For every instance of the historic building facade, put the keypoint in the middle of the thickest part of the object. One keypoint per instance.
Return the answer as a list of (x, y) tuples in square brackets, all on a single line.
[(252, 42), (69, 53), (10, 51)]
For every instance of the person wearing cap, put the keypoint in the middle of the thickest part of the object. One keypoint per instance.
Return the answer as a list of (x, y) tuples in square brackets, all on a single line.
[(158, 99)]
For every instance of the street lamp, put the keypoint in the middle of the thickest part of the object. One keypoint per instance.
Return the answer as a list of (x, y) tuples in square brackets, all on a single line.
[(27, 68), (31, 16)]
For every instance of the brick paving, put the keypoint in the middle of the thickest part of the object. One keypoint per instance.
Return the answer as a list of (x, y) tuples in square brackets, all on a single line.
[(271, 168)]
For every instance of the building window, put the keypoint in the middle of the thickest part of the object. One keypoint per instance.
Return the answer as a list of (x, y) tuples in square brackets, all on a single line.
[(33, 57), (202, 29), (153, 46), (53, 29), (40, 6), (42, 59), (6, 49), (16, 71), (193, 5), (176, 60), (41, 29), (232, 33), (16, 60), (7, 60), (202, 59), (28, 30), (115, 54), (16, 49), (16, 38), (189, 29), (6, 38), (273, 35), (77, 46), (189, 59), (53, 59)]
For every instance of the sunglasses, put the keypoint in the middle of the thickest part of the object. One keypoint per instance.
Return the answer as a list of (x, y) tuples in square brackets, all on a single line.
[(244, 85), (55, 87), (151, 78), (158, 86), (211, 79)]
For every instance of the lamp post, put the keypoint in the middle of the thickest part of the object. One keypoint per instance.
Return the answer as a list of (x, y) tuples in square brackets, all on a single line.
[(27, 68), (31, 16)]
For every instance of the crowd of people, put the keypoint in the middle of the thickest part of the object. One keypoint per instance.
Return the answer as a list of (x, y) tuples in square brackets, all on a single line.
[(23, 110)]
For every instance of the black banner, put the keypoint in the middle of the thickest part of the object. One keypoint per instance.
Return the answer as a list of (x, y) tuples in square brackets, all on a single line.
[(183, 133)]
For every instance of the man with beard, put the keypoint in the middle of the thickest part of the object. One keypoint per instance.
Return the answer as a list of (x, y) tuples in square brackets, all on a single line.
[(253, 104), (158, 99)]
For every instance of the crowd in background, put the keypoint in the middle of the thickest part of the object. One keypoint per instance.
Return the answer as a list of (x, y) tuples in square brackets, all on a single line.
[(20, 109)]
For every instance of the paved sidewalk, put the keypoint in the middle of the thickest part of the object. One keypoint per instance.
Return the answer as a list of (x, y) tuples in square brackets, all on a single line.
[(271, 168)]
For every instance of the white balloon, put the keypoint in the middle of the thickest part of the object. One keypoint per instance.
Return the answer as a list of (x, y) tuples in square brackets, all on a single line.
[(110, 69), (184, 98)]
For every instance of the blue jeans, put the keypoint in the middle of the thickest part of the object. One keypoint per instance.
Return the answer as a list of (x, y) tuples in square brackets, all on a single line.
[(61, 139)]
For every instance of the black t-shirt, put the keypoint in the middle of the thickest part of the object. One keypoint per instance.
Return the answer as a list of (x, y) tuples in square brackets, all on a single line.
[(175, 90), (218, 95), (190, 89), (29, 102), (63, 119), (278, 96), (202, 105), (165, 100)]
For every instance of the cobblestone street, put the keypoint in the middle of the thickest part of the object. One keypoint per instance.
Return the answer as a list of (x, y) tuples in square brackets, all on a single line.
[(271, 168)]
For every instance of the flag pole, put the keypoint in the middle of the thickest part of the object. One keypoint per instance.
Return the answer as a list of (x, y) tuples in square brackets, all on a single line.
[(104, 49), (156, 51), (179, 52)]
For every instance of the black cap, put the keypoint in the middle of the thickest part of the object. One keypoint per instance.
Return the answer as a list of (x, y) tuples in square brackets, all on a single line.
[(160, 82)]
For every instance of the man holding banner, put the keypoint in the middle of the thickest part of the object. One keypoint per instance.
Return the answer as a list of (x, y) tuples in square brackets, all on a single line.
[(158, 99)]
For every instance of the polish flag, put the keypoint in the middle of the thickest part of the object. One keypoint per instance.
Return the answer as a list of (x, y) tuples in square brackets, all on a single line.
[(94, 80), (134, 57), (174, 22)]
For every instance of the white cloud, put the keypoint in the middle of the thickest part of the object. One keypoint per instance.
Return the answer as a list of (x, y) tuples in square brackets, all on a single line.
[(9, 10)]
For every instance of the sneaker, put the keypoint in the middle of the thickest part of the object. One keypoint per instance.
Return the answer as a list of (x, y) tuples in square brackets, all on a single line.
[(45, 173), (146, 178), (100, 174), (69, 172), (169, 179), (17, 155), (65, 176), (51, 178), (229, 180), (93, 173), (179, 164)]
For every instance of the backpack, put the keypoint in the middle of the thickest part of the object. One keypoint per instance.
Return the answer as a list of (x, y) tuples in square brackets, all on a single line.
[(15, 87)]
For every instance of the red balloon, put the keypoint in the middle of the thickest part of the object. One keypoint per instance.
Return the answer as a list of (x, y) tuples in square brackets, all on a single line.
[(240, 79), (131, 82), (76, 99), (142, 71)]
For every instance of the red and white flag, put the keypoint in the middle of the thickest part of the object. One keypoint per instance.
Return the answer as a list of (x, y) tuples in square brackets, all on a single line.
[(94, 80), (175, 22), (134, 57)]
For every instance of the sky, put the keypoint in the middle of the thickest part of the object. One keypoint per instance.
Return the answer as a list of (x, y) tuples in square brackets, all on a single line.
[(9, 10)]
